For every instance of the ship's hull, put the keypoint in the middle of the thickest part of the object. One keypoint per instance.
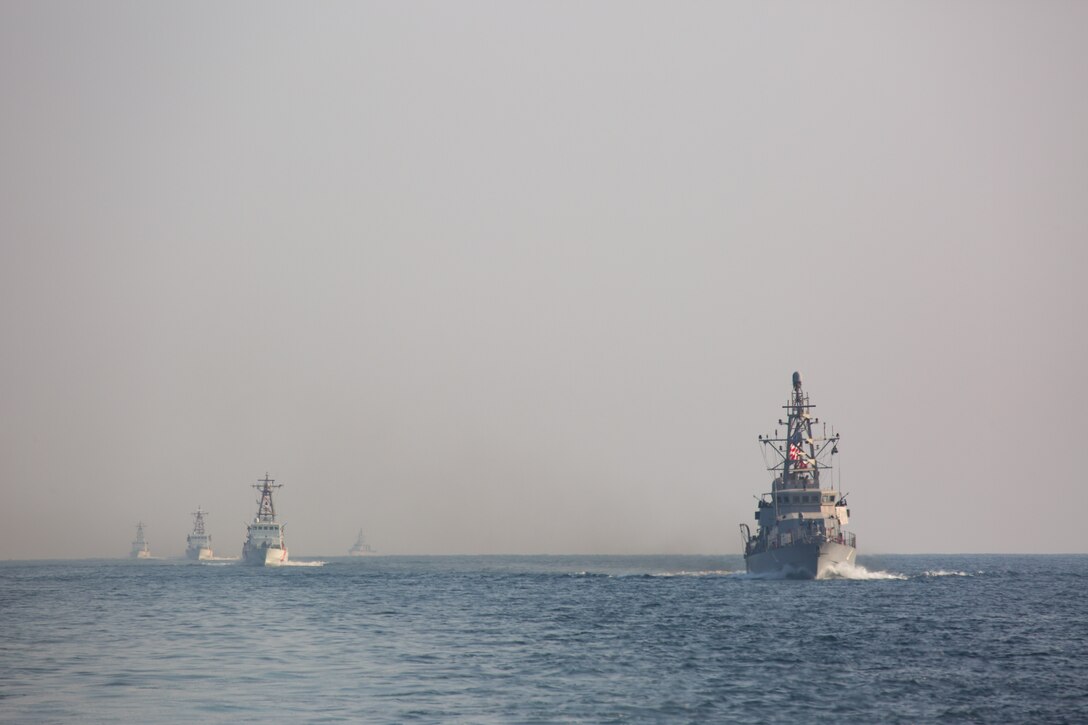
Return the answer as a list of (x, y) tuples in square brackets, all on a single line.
[(145, 554), (263, 555), (801, 561), (199, 553)]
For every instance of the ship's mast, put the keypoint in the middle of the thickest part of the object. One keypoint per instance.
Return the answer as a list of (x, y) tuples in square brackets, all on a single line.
[(266, 512), (802, 454), (799, 434), (198, 521)]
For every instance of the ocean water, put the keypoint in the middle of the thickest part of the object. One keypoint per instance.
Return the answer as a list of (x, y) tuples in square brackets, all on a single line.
[(900, 639)]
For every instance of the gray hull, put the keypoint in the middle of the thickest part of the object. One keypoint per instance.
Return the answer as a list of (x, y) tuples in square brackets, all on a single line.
[(263, 555), (801, 561), (199, 554)]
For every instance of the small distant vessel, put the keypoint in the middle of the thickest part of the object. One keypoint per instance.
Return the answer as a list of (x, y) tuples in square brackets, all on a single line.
[(360, 547), (801, 523), (198, 543), (265, 545), (140, 549)]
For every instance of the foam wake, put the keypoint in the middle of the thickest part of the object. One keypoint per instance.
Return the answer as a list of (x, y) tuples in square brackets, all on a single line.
[(303, 563), (776, 574), (845, 570)]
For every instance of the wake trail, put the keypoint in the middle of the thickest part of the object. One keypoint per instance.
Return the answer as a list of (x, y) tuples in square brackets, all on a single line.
[(858, 572)]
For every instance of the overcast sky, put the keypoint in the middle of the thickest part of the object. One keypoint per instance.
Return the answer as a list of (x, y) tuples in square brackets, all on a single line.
[(532, 277)]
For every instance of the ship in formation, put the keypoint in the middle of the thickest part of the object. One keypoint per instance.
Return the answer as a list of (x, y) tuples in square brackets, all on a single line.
[(801, 523), (360, 547), (140, 549), (198, 544), (265, 545)]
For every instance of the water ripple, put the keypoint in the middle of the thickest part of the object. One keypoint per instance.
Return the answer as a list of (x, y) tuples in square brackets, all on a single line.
[(545, 639)]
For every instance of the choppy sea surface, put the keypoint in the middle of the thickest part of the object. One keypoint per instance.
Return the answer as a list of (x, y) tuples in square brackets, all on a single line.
[(900, 639)]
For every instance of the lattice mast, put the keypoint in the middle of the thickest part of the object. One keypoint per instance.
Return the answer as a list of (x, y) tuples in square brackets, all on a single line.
[(802, 456), (198, 521), (266, 512)]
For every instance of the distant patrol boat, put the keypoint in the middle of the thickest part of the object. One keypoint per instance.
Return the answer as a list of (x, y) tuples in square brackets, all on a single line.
[(265, 545), (360, 547), (140, 549), (800, 523), (198, 543)]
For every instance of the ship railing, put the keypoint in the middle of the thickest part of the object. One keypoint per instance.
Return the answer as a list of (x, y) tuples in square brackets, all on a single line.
[(757, 544), (844, 538)]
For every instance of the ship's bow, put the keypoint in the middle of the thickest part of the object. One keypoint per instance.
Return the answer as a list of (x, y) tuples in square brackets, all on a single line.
[(802, 561)]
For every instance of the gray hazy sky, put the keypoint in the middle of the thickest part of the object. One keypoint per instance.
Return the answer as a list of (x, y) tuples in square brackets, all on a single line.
[(531, 277)]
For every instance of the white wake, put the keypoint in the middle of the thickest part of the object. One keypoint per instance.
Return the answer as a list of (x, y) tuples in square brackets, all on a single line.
[(845, 570)]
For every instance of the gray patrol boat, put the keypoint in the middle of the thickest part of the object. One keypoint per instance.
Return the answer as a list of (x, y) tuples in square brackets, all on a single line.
[(265, 545), (800, 531)]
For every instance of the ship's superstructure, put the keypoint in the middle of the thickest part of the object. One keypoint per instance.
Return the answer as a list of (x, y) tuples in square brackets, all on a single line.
[(265, 545), (140, 549), (360, 547), (801, 522), (199, 542)]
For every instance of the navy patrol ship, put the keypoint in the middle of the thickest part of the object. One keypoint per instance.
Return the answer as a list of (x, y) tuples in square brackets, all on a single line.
[(800, 531), (265, 545), (198, 545), (140, 549), (360, 547)]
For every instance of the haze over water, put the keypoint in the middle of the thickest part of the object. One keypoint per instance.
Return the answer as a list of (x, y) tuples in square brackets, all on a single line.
[(511, 278), (517, 278)]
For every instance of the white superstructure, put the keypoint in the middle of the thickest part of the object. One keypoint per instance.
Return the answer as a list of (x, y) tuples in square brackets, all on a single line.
[(265, 545), (140, 549), (198, 543)]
